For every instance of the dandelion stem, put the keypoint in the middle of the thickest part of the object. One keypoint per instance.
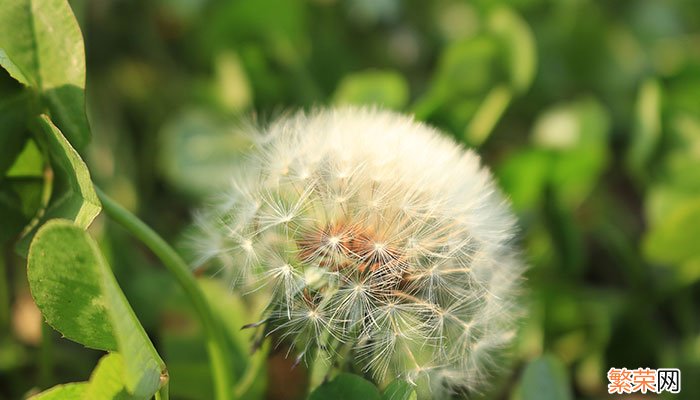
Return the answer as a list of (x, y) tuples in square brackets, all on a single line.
[(252, 371), (163, 393), (319, 370), (216, 340), (46, 356)]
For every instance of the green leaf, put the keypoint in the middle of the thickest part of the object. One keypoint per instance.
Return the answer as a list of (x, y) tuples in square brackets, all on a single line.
[(20, 198), (681, 161), (9, 66), (647, 128), (69, 391), (21, 193), (13, 134), (66, 285), (232, 87), (487, 115), (545, 379), (74, 197), (107, 380), (28, 163), (673, 239), (41, 46), (661, 200), (576, 134), (399, 390), (569, 126), (465, 71), (523, 176), (518, 45), (385, 88), (565, 234), (346, 387), (466, 67), (76, 292)]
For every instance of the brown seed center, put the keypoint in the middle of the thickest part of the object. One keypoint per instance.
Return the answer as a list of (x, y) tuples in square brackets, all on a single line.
[(340, 245)]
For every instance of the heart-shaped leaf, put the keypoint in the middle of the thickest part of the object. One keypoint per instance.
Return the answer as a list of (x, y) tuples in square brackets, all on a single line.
[(69, 391), (74, 197), (78, 295), (41, 46), (107, 380)]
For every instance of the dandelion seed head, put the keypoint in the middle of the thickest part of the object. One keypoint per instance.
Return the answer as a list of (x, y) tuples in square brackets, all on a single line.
[(370, 231)]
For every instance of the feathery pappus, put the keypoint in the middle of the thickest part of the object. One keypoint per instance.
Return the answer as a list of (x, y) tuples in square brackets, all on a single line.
[(382, 245)]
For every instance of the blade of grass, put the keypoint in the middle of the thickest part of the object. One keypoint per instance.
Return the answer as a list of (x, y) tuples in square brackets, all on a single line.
[(488, 114)]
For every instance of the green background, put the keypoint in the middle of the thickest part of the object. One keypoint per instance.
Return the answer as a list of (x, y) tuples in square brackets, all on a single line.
[(588, 112)]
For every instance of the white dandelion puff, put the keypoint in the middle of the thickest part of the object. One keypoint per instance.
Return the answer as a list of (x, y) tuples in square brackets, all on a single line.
[(375, 233)]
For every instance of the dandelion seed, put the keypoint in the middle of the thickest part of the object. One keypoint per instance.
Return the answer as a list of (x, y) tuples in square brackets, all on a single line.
[(368, 230)]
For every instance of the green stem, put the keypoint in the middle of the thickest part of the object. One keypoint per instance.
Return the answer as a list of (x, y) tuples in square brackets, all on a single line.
[(4, 293), (163, 393), (252, 371), (321, 368), (319, 371), (216, 340), (46, 356)]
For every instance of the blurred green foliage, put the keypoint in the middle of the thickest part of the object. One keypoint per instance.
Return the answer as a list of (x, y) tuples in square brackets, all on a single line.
[(587, 111)]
